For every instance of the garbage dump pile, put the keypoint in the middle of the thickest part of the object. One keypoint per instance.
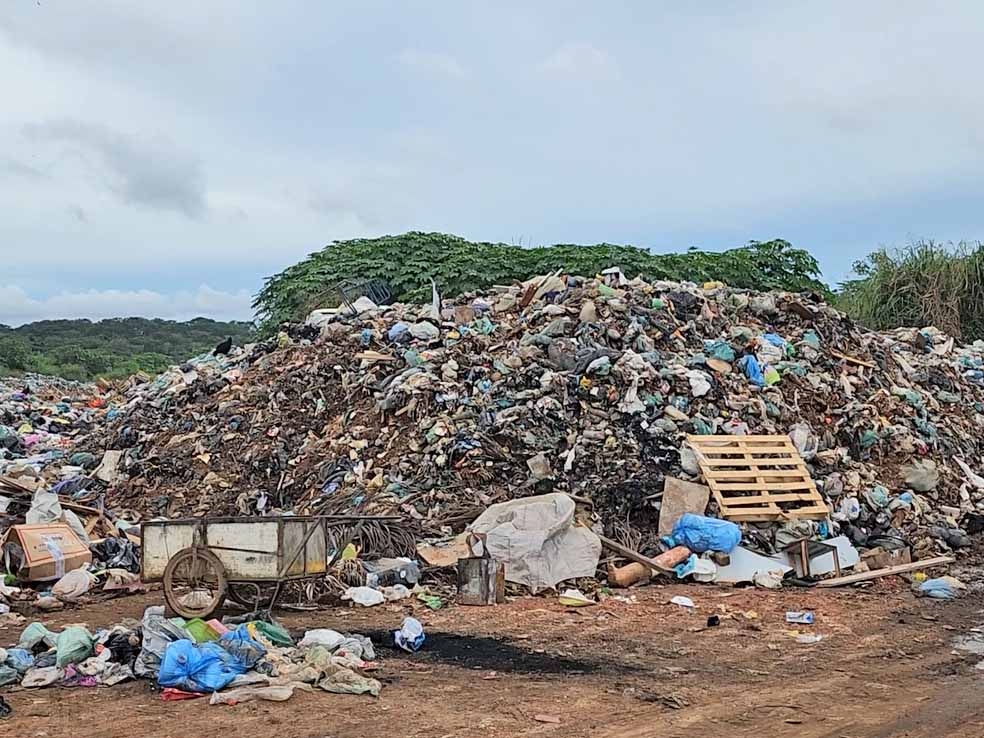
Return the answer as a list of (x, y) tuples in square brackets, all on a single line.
[(587, 387), (42, 417), (49, 529), (41, 421)]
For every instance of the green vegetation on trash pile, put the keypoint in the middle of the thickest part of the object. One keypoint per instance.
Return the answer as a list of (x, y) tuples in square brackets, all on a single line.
[(408, 261), (115, 348), (927, 283)]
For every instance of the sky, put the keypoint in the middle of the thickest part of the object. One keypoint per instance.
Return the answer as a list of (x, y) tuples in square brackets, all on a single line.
[(161, 158)]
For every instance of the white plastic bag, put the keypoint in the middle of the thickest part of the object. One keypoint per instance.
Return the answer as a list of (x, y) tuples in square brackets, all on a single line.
[(73, 585), (365, 596), (410, 636), (330, 639)]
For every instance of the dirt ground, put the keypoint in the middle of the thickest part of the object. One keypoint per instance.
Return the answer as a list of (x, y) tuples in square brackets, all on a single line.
[(885, 668)]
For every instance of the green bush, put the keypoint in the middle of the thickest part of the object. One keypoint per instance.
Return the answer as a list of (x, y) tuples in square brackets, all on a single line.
[(115, 348), (15, 353), (408, 262)]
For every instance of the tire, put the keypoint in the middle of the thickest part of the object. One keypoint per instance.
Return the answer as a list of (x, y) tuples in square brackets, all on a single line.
[(191, 568), (243, 593)]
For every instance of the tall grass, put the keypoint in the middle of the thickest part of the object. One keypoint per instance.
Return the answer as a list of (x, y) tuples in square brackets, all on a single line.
[(927, 283)]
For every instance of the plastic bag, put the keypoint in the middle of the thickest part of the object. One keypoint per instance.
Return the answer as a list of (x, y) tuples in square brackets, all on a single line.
[(358, 646), (74, 644), (117, 553), (941, 588), (922, 475), (750, 365), (410, 637), (386, 572), (365, 596), (341, 680), (8, 675), (73, 585), (700, 534), (19, 659), (41, 677), (702, 570), (35, 635), (805, 440), (204, 668), (700, 382), (330, 639), (272, 632), (275, 693), (158, 633), (247, 651)]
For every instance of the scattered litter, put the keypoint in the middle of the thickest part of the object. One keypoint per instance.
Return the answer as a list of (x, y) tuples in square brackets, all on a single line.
[(683, 601), (410, 636), (575, 598), (800, 618)]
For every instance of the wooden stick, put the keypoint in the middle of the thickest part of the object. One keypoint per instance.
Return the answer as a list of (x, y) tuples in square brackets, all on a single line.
[(887, 572), (851, 359), (631, 555)]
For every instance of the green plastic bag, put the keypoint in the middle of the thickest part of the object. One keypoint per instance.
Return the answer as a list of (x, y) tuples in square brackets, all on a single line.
[(273, 633), (73, 646), (34, 634)]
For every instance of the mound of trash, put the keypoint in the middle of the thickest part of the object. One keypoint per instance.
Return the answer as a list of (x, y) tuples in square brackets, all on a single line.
[(41, 421), (562, 384)]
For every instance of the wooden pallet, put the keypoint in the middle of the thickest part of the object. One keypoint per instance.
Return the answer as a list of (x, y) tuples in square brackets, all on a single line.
[(757, 478)]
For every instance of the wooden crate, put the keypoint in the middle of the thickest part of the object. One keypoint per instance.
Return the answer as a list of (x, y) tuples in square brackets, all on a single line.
[(758, 478)]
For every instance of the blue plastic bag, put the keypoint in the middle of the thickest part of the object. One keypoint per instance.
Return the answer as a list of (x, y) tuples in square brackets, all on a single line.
[(701, 534), (938, 589), (19, 659), (397, 331), (242, 647), (204, 668), (750, 365), (775, 339)]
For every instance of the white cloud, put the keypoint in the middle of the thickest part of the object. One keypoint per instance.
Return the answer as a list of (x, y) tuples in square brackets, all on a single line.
[(580, 62), (153, 172), (17, 306), (433, 63)]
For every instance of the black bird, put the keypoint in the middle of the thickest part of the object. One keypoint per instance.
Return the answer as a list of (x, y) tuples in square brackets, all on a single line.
[(224, 347)]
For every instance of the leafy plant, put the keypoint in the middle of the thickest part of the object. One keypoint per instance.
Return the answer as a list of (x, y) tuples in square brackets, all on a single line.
[(408, 262)]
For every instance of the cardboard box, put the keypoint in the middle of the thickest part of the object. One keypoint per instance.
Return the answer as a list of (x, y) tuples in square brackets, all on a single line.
[(879, 558), (45, 552)]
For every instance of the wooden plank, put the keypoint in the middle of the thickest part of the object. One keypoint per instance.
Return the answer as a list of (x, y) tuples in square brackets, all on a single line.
[(631, 555), (721, 440), (879, 573), (738, 450), (767, 517), (762, 486), (767, 473), (852, 359), (755, 499), (758, 462), (802, 512)]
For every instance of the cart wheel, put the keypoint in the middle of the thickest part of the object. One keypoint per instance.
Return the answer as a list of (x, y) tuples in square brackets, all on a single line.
[(252, 596), (194, 582)]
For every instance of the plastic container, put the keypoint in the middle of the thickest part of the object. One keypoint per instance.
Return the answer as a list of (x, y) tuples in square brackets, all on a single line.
[(200, 631)]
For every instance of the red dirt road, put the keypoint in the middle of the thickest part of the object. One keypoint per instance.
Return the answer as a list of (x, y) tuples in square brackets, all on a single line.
[(885, 668)]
